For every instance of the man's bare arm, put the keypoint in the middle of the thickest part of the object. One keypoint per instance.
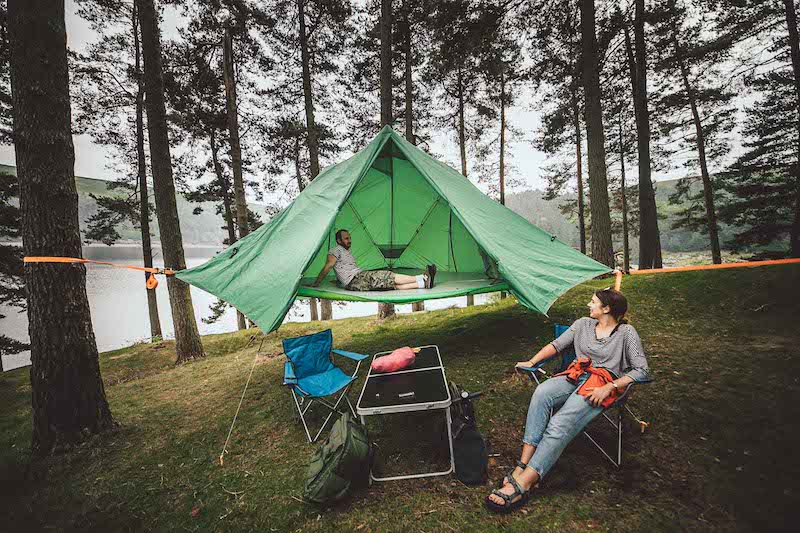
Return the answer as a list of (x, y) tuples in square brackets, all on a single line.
[(329, 262)]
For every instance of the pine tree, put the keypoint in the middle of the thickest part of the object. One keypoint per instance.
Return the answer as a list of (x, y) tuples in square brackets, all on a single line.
[(12, 288), (187, 338), (110, 100), (761, 186), (649, 236), (602, 250), (196, 92), (557, 75), (695, 96), (67, 393), (386, 310)]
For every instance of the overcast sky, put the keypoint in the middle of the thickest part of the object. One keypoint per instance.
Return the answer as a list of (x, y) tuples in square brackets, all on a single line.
[(91, 160)]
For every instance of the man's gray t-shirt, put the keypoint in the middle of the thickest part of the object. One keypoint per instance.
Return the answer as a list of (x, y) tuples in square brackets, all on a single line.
[(345, 266), (621, 353)]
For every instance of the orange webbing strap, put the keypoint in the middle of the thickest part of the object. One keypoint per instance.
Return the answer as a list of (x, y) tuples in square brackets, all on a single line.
[(714, 267), (618, 281), (166, 271)]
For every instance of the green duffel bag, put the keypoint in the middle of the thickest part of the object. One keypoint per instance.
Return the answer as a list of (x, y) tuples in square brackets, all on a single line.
[(341, 463)]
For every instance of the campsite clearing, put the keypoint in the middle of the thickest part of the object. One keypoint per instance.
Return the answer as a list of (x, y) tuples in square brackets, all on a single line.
[(724, 348)]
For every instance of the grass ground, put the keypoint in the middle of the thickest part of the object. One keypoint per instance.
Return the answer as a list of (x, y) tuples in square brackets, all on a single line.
[(719, 454)]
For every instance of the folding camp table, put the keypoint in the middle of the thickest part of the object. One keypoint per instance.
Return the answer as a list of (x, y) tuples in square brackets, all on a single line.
[(419, 387)]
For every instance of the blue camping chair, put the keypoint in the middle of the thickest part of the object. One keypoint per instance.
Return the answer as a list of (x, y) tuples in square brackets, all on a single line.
[(619, 406), (312, 377)]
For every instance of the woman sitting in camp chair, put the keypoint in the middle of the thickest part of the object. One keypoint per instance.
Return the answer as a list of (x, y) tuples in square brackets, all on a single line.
[(609, 358)]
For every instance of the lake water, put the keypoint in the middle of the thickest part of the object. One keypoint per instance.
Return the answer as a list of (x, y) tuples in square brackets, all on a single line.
[(118, 302)]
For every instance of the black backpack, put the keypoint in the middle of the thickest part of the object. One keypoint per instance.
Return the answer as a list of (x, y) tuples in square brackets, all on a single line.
[(469, 445)]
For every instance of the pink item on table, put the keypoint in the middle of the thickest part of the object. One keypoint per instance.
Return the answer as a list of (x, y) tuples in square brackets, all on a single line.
[(397, 360)]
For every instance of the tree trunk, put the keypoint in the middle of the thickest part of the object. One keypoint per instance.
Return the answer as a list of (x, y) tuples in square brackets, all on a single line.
[(144, 200), (229, 75), (187, 339), (409, 113), (649, 237), (462, 146), (298, 174), (794, 46), (462, 137), (67, 394), (502, 145), (313, 140), (626, 265), (409, 82), (386, 310), (602, 249), (502, 136), (579, 171), (311, 127), (230, 226), (241, 322), (386, 62), (708, 188)]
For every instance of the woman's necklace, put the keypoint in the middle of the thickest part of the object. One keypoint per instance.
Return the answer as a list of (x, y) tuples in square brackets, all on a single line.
[(603, 333)]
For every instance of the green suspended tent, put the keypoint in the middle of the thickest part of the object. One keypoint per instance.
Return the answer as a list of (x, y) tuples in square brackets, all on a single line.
[(404, 210)]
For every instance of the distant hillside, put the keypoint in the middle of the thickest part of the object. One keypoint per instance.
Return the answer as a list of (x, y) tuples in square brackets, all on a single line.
[(547, 215), (206, 228), (202, 229)]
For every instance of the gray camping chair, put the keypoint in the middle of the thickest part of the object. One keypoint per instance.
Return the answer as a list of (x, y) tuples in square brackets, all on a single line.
[(619, 407)]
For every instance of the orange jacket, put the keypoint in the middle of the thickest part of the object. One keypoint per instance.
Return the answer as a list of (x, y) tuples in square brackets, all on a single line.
[(598, 378)]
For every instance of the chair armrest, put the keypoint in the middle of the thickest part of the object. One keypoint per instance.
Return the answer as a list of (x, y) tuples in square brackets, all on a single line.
[(628, 388), (350, 355), (537, 366), (289, 377)]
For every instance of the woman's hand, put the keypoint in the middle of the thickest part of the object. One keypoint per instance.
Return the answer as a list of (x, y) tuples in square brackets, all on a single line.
[(599, 394), (523, 363)]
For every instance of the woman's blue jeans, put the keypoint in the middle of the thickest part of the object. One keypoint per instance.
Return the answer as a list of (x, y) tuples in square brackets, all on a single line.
[(551, 434)]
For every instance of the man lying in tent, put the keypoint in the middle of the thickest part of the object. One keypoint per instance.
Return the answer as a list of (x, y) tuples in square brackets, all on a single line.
[(341, 259)]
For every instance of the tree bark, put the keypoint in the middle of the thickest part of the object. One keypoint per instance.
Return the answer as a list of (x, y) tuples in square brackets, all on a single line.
[(409, 113), (229, 75), (579, 171), (386, 310), (312, 139), (187, 339), (708, 188), (462, 145), (602, 249), (144, 200), (502, 144), (241, 322), (502, 135), (386, 62), (462, 137), (311, 127), (794, 47), (625, 244), (67, 394), (649, 237), (298, 174)]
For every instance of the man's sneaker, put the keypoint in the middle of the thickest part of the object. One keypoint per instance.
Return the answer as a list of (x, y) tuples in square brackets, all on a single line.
[(431, 271)]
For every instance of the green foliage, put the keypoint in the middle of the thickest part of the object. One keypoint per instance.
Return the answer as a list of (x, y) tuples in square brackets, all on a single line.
[(12, 288), (5, 78)]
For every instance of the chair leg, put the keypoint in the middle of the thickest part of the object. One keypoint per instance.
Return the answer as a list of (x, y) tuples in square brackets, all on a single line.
[(302, 412), (619, 438)]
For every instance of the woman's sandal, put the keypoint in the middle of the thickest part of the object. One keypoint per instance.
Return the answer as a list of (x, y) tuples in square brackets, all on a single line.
[(504, 480), (508, 506)]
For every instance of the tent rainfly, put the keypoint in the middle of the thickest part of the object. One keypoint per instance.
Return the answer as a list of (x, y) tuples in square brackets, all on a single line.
[(404, 210)]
